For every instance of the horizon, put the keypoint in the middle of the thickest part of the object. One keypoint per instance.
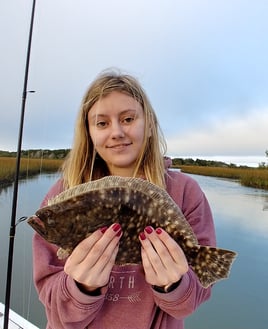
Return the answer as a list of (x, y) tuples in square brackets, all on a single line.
[(239, 160)]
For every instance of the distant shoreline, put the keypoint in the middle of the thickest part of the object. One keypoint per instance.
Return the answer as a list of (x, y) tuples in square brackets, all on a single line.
[(252, 161), (238, 160), (250, 177), (28, 168), (33, 162)]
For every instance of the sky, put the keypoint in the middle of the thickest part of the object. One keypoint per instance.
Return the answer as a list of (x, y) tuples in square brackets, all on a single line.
[(202, 63)]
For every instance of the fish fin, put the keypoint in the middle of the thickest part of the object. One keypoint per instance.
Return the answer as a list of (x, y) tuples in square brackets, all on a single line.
[(211, 264), (63, 253)]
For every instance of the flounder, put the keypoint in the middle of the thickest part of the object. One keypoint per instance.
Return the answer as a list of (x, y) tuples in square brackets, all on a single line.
[(134, 203)]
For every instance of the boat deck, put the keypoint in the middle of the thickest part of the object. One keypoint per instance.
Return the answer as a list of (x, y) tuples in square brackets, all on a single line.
[(15, 320)]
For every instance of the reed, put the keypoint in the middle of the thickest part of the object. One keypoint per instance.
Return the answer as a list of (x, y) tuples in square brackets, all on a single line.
[(255, 178), (251, 177), (28, 167)]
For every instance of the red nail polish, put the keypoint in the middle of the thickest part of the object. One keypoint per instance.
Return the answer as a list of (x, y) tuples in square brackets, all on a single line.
[(116, 227), (158, 230), (103, 229), (142, 236), (149, 229), (119, 233)]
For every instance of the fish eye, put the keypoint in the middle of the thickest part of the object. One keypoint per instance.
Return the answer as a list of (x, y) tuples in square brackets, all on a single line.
[(50, 221), (47, 216)]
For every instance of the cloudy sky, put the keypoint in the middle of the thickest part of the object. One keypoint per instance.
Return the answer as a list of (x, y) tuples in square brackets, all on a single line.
[(202, 63)]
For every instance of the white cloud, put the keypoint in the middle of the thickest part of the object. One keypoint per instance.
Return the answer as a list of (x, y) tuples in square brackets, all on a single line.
[(232, 135), (191, 56)]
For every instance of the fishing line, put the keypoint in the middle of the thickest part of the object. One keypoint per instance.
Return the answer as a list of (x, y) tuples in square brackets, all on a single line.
[(20, 220), (27, 284), (24, 271), (26, 279), (29, 297)]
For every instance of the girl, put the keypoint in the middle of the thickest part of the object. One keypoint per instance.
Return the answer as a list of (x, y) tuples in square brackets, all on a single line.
[(117, 133)]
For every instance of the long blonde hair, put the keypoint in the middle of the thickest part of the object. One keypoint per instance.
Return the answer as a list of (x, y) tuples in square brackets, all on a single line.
[(83, 164)]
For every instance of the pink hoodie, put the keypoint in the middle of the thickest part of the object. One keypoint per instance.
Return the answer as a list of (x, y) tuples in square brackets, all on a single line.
[(129, 302)]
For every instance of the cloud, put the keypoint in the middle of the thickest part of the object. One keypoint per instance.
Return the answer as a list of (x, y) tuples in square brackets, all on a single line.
[(202, 63), (232, 135)]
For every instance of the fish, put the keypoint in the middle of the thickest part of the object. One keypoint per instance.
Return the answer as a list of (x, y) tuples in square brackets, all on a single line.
[(135, 203)]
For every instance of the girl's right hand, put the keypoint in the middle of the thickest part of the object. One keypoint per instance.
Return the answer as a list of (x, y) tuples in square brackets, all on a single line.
[(91, 262)]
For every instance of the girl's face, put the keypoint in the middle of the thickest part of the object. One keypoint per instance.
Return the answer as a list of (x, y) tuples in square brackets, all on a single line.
[(116, 126)]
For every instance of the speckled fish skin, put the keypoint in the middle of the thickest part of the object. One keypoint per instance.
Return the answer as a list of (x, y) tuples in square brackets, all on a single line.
[(134, 203)]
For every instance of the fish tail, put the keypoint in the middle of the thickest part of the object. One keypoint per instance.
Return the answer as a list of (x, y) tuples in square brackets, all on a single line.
[(212, 264)]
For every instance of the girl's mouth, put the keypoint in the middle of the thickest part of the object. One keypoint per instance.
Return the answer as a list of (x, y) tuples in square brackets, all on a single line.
[(119, 146)]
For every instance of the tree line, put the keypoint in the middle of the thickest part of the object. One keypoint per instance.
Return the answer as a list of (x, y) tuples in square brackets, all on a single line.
[(38, 154), (176, 162)]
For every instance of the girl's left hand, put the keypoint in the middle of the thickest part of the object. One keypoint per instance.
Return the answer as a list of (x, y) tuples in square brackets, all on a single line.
[(163, 260)]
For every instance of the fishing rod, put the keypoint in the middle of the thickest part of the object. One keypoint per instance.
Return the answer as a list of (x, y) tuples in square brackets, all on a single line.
[(12, 231)]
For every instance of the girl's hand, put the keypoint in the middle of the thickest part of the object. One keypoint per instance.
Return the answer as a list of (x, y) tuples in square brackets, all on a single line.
[(91, 262), (163, 260)]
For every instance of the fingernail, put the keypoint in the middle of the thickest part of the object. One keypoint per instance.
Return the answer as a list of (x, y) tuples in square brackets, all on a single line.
[(149, 229), (158, 230), (142, 236), (116, 227), (119, 233), (103, 229)]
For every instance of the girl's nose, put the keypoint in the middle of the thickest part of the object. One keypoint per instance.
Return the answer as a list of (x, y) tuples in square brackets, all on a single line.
[(117, 130)]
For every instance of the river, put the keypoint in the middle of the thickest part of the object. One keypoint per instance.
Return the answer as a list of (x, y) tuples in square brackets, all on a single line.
[(241, 220)]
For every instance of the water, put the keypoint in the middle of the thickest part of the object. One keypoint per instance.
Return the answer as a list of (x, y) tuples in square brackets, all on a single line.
[(241, 224), (24, 299)]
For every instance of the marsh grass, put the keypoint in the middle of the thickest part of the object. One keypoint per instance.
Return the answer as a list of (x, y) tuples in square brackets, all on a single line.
[(251, 177), (28, 167)]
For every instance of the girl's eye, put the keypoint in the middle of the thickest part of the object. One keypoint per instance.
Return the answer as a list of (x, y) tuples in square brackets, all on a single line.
[(128, 120), (101, 124)]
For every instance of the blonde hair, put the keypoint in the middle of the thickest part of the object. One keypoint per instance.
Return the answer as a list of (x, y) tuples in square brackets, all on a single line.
[(83, 164)]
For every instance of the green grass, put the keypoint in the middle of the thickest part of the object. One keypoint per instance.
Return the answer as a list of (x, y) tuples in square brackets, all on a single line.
[(251, 177)]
